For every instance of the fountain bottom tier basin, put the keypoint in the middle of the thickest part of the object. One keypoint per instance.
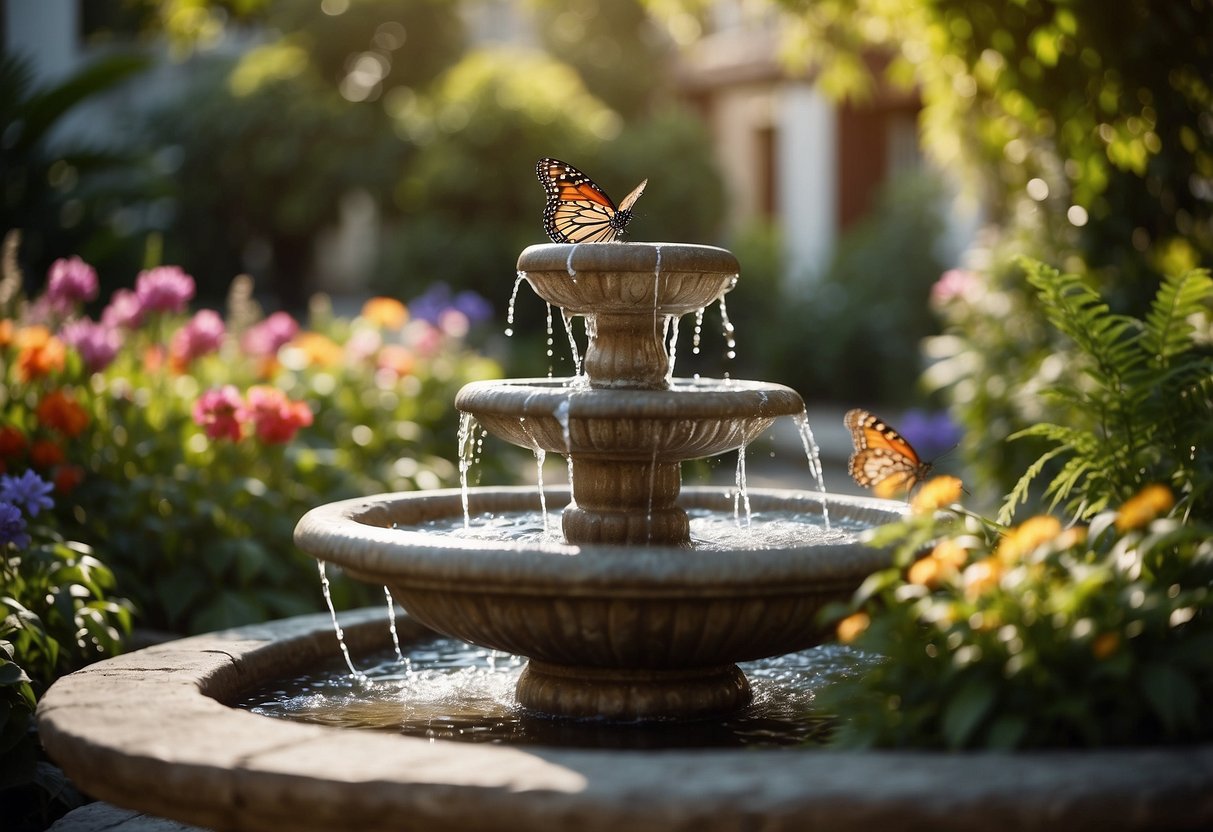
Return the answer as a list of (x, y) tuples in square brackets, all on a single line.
[(150, 731), (623, 632)]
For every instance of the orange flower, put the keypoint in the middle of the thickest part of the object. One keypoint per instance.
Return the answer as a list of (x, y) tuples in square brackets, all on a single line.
[(12, 441), (936, 493), (6, 332), (853, 626), (981, 577), (387, 313), (321, 350), (68, 478), (1024, 538), (40, 353), (397, 359), (60, 411), (1152, 501), (45, 454)]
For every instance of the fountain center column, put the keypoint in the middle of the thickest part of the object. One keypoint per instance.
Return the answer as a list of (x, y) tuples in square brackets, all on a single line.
[(627, 351), (623, 501)]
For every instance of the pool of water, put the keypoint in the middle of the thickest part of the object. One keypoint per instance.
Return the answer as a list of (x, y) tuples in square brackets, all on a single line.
[(445, 689)]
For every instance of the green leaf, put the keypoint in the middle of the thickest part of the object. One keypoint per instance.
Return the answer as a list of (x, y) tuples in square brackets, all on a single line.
[(965, 711), (1172, 696)]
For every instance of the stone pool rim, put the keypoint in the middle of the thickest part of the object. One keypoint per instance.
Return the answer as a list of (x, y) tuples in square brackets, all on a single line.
[(149, 731)]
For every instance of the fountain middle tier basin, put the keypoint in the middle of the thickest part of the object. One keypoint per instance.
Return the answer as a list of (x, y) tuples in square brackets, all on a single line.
[(692, 419), (635, 632)]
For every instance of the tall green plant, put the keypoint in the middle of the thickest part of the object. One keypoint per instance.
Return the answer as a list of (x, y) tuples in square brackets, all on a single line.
[(1140, 410)]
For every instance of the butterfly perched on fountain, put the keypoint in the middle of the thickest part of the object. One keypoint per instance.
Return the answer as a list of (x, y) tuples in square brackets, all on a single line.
[(882, 459), (577, 210)]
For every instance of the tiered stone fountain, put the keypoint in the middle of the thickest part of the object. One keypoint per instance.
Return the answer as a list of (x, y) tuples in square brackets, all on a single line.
[(636, 623), (645, 627)]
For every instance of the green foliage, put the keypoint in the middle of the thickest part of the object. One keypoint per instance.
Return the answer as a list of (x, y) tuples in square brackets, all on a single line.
[(867, 310), (1036, 637), (61, 195), (1142, 413)]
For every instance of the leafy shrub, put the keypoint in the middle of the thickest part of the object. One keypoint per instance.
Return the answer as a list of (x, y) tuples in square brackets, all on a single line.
[(1094, 632), (185, 447)]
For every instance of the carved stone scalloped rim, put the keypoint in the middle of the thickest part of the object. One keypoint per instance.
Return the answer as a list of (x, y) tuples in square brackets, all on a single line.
[(147, 731)]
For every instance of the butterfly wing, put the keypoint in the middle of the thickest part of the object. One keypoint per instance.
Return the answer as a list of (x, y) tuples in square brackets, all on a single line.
[(882, 459), (577, 210)]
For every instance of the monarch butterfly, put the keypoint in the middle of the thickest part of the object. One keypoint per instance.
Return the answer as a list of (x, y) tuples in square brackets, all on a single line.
[(577, 210), (882, 460)]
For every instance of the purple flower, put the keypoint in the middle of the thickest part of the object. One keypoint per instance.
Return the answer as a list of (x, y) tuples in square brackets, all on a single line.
[(70, 281), (265, 338), (164, 289), (12, 526), (474, 306), (125, 310), (28, 490), (931, 433), (98, 344), (201, 335), (431, 304)]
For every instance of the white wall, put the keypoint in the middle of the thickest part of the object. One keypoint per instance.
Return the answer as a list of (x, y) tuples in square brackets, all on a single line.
[(806, 160)]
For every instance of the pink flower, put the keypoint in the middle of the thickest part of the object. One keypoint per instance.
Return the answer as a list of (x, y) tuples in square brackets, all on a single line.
[(953, 284), (265, 338), (276, 418), (98, 344), (125, 310), (70, 281), (203, 334), (164, 289), (220, 411)]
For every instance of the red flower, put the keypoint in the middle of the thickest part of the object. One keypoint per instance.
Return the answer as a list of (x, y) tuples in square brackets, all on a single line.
[(60, 411), (221, 412), (44, 454), (68, 478), (12, 442), (276, 418)]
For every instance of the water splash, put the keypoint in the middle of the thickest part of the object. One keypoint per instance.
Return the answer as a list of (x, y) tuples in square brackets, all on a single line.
[(466, 439), (391, 624), (742, 496), (813, 453), (509, 315), (327, 590), (567, 317)]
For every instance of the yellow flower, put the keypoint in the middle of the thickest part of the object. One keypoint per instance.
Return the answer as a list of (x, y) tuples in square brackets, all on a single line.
[(851, 627), (944, 561), (321, 350), (1024, 538), (387, 313), (1144, 506), (1071, 537), (936, 493)]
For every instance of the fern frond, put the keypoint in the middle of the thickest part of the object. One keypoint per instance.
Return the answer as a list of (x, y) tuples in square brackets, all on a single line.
[(1168, 331), (1072, 474), (1019, 494)]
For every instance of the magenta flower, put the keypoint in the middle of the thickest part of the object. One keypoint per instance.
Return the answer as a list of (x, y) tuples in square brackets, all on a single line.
[(97, 344), (125, 310), (164, 289), (276, 418), (221, 412), (953, 284), (70, 281), (265, 338), (203, 334)]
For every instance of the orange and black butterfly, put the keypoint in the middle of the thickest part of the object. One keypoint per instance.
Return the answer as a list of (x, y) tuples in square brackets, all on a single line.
[(882, 460), (577, 210)]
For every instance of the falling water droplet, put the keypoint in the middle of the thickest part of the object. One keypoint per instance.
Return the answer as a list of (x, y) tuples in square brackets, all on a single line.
[(391, 625), (671, 329), (509, 315), (814, 456), (742, 497), (698, 334), (327, 590)]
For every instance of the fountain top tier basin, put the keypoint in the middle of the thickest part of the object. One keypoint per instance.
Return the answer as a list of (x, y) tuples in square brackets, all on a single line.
[(628, 292)]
